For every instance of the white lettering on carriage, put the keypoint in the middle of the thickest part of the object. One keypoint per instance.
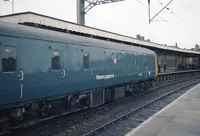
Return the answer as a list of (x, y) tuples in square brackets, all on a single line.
[(99, 77)]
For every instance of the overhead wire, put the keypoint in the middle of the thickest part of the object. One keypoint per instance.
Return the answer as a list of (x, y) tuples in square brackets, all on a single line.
[(171, 12), (103, 20), (181, 19), (121, 28), (178, 27), (160, 2), (177, 16), (150, 10)]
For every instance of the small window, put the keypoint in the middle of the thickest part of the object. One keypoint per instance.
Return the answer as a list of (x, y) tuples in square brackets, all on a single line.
[(9, 61), (134, 60), (86, 64), (55, 60)]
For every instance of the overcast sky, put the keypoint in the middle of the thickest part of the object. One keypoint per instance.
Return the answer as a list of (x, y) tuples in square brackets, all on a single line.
[(129, 17)]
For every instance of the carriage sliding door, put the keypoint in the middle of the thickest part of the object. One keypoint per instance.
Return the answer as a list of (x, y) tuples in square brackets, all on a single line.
[(11, 76)]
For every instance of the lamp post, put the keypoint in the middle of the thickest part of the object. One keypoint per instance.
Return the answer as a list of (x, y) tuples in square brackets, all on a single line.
[(12, 5)]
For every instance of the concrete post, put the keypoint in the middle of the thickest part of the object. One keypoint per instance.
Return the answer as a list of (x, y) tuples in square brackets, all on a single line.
[(159, 63), (165, 66), (176, 61), (178, 64)]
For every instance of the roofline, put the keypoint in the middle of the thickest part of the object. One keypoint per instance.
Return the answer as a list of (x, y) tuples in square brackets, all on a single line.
[(174, 50), (29, 12), (49, 35)]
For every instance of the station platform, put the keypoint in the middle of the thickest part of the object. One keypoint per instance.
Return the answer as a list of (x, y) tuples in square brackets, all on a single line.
[(180, 118)]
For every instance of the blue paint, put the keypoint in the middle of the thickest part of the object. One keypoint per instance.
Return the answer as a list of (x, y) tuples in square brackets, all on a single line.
[(34, 47)]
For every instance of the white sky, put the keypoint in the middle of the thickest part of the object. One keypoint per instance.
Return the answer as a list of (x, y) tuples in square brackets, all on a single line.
[(128, 17)]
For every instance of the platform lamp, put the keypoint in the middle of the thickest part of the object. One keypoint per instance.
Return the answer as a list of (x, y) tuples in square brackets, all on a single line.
[(12, 5)]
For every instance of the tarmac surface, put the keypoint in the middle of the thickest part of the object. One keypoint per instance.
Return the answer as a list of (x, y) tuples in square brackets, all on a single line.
[(180, 118)]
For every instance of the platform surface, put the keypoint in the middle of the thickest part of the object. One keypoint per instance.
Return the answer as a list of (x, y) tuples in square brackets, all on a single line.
[(180, 118)]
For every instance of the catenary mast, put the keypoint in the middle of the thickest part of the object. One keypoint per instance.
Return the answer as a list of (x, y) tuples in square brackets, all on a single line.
[(83, 6)]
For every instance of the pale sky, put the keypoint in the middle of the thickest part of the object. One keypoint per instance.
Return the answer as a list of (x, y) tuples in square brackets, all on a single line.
[(128, 17)]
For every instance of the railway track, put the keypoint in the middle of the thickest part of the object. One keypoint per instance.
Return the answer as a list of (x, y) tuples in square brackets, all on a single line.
[(125, 123), (81, 123)]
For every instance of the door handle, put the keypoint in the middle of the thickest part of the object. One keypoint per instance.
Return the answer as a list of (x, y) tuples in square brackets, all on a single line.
[(64, 72), (21, 93), (21, 75), (91, 71)]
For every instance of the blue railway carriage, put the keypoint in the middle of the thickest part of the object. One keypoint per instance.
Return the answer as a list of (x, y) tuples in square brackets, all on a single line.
[(45, 72)]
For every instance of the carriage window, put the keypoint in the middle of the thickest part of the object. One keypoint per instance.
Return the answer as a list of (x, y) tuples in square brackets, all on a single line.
[(134, 60), (86, 64), (9, 62), (55, 60)]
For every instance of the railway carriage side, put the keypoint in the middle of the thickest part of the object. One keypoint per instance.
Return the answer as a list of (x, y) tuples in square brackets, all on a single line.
[(41, 77), (34, 69)]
